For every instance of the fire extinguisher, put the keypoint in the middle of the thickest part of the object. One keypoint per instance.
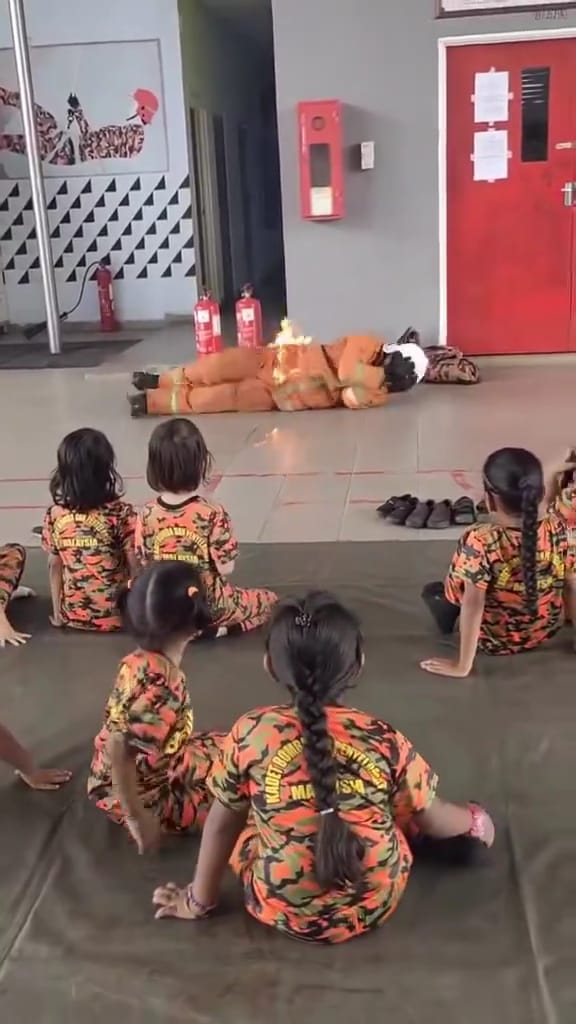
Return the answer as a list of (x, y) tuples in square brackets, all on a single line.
[(248, 319), (207, 324), (108, 321)]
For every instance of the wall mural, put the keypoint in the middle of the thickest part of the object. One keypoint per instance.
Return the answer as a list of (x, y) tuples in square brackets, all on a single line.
[(99, 110), (143, 225)]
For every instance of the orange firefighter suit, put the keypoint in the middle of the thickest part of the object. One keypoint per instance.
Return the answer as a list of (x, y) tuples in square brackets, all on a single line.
[(286, 377)]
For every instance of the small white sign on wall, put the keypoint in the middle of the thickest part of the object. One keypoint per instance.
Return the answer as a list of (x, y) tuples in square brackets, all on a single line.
[(446, 8), (490, 155), (491, 96)]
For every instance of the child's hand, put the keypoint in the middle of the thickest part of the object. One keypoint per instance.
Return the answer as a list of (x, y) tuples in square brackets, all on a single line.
[(174, 902), (45, 778), (145, 830), (11, 636), (444, 667)]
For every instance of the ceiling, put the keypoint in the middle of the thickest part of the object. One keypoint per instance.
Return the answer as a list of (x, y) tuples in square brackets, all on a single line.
[(251, 17)]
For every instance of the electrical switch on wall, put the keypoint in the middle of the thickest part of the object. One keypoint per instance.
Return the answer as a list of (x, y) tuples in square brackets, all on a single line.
[(367, 156)]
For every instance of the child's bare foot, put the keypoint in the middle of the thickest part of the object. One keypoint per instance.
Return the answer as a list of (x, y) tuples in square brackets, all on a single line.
[(22, 592)]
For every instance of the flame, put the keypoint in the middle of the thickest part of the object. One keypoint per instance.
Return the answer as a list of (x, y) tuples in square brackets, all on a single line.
[(285, 337)]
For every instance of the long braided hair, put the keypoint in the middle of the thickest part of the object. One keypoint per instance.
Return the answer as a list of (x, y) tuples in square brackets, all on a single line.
[(314, 648), (515, 477)]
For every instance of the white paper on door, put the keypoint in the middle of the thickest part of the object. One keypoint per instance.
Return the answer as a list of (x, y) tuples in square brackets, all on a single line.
[(491, 96), (490, 155)]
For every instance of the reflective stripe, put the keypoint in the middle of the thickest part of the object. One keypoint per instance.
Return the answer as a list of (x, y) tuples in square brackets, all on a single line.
[(359, 373)]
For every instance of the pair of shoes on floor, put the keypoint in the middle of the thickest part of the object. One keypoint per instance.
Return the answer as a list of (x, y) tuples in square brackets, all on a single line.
[(409, 511)]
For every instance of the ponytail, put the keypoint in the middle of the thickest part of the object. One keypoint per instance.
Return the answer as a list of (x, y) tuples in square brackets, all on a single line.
[(530, 503), (165, 601), (515, 478), (314, 647)]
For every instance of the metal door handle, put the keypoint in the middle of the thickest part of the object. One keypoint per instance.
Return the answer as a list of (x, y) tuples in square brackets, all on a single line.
[(568, 192)]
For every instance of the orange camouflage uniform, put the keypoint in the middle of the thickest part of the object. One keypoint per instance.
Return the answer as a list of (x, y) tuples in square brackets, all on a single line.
[(489, 557), (199, 532), (93, 547), (565, 507), (12, 562), (150, 706), (382, 783)]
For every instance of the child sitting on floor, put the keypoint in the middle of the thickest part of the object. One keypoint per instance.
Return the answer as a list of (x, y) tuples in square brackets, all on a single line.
[(12, 562), (14, 755), (181, 525), (149, 768), (561, 491), (510, 580), (88, 533), (314, 798)]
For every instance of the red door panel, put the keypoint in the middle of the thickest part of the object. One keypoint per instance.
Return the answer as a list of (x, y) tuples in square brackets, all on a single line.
[(510, 242)]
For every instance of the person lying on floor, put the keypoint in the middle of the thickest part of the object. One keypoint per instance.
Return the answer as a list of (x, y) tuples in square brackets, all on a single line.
[(314, 800), (357, 372), (180, 524), (512, 582), (16, 757), (149, 767), (12, 562), (88, 534)]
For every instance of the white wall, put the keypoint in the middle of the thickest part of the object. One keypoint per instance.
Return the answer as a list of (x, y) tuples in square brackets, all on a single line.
[(378, 269), (142, 220)]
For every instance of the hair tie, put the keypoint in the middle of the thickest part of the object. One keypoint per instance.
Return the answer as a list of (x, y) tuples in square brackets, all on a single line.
[(328, 810), (303, 620), (192, 591)]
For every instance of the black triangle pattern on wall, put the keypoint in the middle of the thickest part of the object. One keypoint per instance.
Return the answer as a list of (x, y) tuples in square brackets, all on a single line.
[(144, 222)]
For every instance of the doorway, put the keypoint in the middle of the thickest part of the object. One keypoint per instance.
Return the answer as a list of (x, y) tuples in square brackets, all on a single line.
[(510, 173), (210, 203)]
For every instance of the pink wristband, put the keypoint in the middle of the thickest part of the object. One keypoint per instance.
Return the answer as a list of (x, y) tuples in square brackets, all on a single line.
[(194, 904)]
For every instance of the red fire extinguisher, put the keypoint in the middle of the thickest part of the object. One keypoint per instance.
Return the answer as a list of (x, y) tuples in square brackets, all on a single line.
[(108, 321), (248, 319), (207, 325)]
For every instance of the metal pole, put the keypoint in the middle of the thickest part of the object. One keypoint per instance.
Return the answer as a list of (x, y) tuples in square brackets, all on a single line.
[(24, 71)]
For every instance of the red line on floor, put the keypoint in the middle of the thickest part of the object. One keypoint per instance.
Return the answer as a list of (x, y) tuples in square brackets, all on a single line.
[(457, 475)]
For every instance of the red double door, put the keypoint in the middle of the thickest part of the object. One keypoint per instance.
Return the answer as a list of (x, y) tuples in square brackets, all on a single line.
[(511, 198)]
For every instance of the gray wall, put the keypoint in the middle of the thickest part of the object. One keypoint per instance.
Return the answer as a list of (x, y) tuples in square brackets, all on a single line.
[(377, 269)]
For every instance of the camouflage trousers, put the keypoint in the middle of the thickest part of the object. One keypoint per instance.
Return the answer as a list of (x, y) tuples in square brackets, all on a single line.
[(12, 562)]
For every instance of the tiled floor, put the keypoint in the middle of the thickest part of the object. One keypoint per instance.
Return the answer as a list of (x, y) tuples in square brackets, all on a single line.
[(307, 477)]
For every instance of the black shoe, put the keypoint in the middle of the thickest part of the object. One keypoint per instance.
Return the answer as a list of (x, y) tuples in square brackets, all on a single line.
[(410, 337), (138, 407), (388, 507), (402, 510), (143, 381)]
